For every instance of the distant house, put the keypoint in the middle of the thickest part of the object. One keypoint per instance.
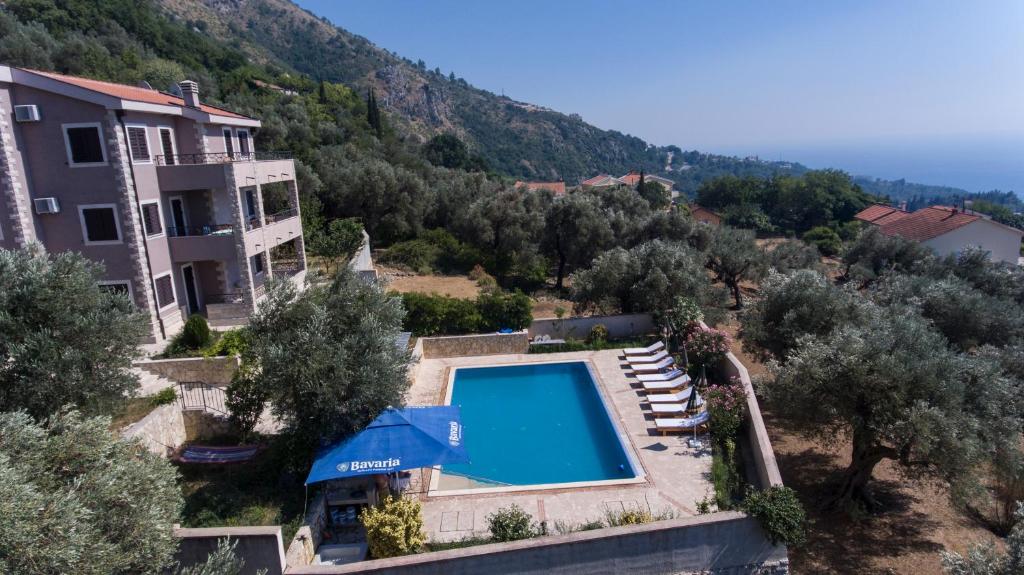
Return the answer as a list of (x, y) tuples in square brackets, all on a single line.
[(557, 188), (602, 181), (702, 214), (947, 230), (633, 178)]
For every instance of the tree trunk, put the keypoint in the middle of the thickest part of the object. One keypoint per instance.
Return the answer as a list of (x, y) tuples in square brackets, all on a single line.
[(561, 273), (853, 492), (735, 287)]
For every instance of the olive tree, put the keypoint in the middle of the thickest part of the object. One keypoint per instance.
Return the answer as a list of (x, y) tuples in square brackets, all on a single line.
[(733, 256), (986, 559), (77, 499), (791, 255), (874, 253), (63, 338), (892, 385), (648, 277), (575, 231), (327, 358), (507, 225), (793, 305)]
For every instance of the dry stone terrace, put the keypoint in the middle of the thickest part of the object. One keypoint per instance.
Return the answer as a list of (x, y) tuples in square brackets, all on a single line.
[(676, 476)]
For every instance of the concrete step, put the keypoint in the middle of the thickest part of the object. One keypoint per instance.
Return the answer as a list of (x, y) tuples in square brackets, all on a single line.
[(150, 383)]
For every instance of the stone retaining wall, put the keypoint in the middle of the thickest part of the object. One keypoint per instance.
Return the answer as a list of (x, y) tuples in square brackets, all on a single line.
[(209, 370), (727, 542), (619, 326), (259, 547), (161, 432), (482, 344)]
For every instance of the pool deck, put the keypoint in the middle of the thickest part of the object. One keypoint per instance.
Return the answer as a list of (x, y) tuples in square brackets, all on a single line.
[(676, 476)]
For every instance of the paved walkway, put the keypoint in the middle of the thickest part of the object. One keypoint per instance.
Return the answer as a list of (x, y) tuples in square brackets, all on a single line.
[(677, 476)]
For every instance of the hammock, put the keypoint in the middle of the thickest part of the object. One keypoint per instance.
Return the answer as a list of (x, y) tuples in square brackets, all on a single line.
[(210, 454)]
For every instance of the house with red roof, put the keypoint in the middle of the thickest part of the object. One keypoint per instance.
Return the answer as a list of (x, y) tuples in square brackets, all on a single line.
[(633, 178), (165, 190), (602, 181), (557, 188), (947, 230)]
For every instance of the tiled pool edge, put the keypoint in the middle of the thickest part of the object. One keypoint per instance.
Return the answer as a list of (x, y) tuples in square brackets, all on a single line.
[(629, 449)]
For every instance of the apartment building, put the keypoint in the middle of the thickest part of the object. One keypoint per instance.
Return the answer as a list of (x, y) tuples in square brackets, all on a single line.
[(170, 194)]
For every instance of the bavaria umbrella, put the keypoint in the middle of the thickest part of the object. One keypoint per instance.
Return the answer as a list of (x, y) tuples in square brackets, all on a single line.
[(407, 438)]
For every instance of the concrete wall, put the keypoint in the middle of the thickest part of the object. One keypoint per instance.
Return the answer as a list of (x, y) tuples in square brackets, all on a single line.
[(1002, 242), (483, 344), (210, 370), (627, 325), (726, 542), (259, 547), (161, 432), (302, 548)]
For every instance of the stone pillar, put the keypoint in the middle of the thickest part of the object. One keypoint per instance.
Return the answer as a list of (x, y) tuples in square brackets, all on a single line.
[(199, 133), (238, 209), (293, 199), (131, 221), (15, 197)]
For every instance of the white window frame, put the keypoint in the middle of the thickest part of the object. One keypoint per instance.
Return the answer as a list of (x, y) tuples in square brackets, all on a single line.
[(174, 292), (131, 292), (67, 144), (85, 229), (229, 136), (174, 144), (160, 215), (145, 132), (248, 137)]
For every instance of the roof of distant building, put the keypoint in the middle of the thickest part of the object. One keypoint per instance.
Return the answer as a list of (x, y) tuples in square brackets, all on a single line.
[(132, 93), (702, 214), (928, 223), (633, 178), (558, 188), (879, 214), (603, 180)]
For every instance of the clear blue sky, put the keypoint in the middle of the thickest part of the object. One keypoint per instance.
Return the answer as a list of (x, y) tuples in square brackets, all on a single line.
[(773, 78)]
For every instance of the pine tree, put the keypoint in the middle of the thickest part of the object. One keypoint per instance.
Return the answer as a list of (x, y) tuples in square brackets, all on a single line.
[(373, 113)]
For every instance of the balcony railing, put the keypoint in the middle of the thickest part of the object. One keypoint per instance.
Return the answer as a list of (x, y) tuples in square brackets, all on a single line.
[(282, 215), (218, 158), (208, 230)]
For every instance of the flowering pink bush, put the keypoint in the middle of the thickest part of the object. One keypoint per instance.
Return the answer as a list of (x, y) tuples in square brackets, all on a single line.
[(726, 404), (707, 345)]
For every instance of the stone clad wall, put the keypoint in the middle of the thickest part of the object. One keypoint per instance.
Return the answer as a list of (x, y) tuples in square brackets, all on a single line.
[(209, 370), (626, 325), (161, 432), (484, 344), (259, 547)]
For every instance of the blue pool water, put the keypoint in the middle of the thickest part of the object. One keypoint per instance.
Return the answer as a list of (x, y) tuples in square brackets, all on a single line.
[(534, 424)]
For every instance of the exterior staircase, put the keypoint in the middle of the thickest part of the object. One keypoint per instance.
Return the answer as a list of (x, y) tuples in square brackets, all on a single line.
[(151, 383)]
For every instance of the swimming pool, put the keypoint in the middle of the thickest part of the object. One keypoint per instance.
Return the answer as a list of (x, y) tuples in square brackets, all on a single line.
[(539, 425)]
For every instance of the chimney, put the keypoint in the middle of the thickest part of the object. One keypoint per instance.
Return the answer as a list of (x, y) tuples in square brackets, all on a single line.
[(190, 92), (903, 206)]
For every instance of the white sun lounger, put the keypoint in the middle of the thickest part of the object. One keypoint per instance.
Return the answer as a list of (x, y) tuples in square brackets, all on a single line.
[(649, 350), (659, 376), (681, 381), (648, 359), (677, 397), (652, 367), (674, 408), (682, 424)]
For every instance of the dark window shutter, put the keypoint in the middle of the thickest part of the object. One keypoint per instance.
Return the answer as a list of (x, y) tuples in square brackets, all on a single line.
[(164, 292), (85, 144), (168, 146), (151, 219), (229, 144), (139, 146), (100, 224)]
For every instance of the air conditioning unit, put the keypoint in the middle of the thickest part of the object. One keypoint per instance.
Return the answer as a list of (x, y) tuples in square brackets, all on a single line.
[(47, 206), (26, 113)]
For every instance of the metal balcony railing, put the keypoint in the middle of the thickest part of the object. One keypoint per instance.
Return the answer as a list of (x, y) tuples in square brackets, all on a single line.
[(218, 158), (282, 215), (207, 230), (199, 396)]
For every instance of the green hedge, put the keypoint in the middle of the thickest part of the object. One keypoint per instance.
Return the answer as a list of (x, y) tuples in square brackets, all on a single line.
[(428, 315)]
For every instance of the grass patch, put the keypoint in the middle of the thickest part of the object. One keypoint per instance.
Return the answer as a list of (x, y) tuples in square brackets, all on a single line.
[(132, 410), (255, 493)]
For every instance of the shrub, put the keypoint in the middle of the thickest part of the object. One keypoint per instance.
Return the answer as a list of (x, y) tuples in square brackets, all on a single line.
[(482, 278), (598, 334), (511, 524), (232, 342), (432, 314), (163, 397), (707, 346), (726, 406), (825, 239), (499, 311), (627, 517), (393, 528), (245, 400), (196, 333), (433, 251), (780, 513)]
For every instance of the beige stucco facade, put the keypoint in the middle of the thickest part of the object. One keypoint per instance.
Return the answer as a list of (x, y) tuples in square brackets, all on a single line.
[(1002, 242)]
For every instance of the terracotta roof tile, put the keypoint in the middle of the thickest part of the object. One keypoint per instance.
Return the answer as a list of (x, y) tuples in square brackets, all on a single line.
[(879, 214), (133, 93), (928, 223), (557, 187)]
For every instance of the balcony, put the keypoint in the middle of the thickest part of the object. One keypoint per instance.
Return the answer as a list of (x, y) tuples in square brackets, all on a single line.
[(276, 229), (218, 158), (182, 172), (198, 243)]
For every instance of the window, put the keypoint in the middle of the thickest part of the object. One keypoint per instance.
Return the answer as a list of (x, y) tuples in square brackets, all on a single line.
[(243, 143), (100, 224), (257, 264), (164, 291), (123, 287), (229, 144), (84, 145), (167, 146), (151, 220), (138, 144)]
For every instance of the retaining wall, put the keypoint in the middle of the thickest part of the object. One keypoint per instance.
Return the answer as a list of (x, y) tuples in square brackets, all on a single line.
[(259, 547), (161, 432), (626, 325), (725, 542), (209, 370), (482, 344)]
